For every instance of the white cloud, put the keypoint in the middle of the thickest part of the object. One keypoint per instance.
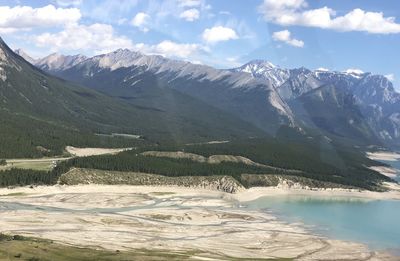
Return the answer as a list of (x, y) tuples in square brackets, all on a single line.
[(294, 12), (108, 11), (285, 36), (122, 21), (322, 69), (219, 34), (141, 20), (169, 49), (8, 30), (26, 17), (65, 3), (189, 3), (354, 71), (233, 62), (97, 38), (224, 13), (390, 77), (190, 15), (197, 62)]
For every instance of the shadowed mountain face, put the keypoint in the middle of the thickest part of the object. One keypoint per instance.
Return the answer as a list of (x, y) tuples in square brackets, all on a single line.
[(354, 105), (42, 114), (135, 77), (170, 104), (351, 106)]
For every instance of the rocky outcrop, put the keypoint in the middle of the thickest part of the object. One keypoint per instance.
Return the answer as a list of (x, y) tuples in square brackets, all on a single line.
[(286, 181), (213, 159), (91, 176), (217, 159)]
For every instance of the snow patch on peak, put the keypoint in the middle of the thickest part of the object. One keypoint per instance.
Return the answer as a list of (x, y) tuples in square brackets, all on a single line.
[(354, 71), (262, 63), (265, 70)]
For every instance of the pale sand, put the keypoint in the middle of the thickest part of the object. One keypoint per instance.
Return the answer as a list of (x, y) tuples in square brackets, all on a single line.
[(257, 192), (84, 152), (387, 156), (383, 155), (387, 171), (169, 218)]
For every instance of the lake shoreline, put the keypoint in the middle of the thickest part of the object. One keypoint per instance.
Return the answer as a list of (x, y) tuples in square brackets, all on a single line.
[(159, 217), (243, 195)]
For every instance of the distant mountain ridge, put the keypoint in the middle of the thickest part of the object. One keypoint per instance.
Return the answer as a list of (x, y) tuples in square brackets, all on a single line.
[(363, 106), (41, 114), (369, 102), (127, 73), (56, 61)]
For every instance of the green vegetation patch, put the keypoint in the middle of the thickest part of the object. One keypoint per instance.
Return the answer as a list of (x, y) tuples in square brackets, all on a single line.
[(33, 249), (15, 194), (23, 177)]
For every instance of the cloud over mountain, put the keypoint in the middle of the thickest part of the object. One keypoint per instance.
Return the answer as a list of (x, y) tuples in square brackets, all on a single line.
[(295, 12)]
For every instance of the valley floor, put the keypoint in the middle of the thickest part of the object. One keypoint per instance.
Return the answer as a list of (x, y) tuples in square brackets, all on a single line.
[(204, 223)]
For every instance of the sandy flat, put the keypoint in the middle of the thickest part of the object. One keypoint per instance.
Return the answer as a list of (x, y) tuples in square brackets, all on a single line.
[(256, 192), (84, 152), (383, 155), (166, 218), (387, 171)]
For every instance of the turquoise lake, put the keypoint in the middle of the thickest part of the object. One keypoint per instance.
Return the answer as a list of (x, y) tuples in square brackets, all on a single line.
[(372, 222)]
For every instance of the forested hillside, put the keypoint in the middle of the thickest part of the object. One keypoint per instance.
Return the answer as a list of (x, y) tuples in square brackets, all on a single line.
[(41, 111)]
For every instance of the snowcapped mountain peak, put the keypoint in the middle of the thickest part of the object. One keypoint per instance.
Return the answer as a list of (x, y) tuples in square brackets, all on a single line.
[(259, 63), (321, 69), (356, 73), (257, 66), (265, 70)]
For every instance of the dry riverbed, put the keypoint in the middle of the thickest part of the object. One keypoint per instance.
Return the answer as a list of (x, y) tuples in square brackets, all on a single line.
[(208, 224)]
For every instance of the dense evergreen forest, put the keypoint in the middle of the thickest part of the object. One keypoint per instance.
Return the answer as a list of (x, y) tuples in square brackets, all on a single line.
[(22, 177), (317, 161)]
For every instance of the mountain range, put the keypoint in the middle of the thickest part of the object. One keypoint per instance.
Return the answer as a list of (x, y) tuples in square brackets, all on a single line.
[(40, 114), (317, 124), (352, 106), (348, 104)]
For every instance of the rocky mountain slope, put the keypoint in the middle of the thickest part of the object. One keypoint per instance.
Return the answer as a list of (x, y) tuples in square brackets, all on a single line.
[(43, 114), (130, 75), (350, 104)]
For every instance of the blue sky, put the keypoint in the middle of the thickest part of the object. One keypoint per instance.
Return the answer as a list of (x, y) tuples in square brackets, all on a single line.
[(337, 35)]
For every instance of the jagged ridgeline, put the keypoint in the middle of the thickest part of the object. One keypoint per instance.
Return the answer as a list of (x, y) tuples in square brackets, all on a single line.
[(351, 106), (153, 103), (41, 114)]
